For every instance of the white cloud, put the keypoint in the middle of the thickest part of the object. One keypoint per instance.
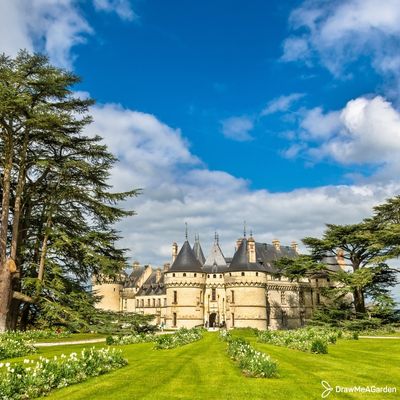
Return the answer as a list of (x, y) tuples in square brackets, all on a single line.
[(320, 125), (123, 8), (338, 32), (178, 188), (238, 128), (50, 26), (281, 103), (365, 132), (371, 133)]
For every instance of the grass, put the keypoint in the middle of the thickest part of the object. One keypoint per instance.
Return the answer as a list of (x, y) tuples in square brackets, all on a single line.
[(202, 370)]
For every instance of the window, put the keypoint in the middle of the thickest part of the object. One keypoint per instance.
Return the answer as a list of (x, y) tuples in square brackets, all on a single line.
[(283, 297), (214, 276), (154, 302), (174, 319), (301, 297), (195, 275), (318, 299), (184, 274), (142, 303), (284, 319), (232, 296), (233, 319), (159, 302), (256, 273), (173, 275), (148, 302), (243, 274), (208, 276), (302, 318), (137, 303), (230, 273), (175, 297), (220, 275), (165, 302), (213, 294)]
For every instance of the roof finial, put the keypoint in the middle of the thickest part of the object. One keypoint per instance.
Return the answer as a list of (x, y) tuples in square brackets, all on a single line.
[(251, 232), (186, 231), (215, 237), (244, 228)]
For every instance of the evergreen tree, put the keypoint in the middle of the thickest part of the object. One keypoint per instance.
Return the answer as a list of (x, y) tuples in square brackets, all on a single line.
[(57, 209)]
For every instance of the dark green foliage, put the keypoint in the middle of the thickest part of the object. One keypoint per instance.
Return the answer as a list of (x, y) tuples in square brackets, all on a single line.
[(60, 175)]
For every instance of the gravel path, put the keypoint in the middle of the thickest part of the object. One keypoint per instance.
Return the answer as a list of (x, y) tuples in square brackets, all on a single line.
[(379, 337), (49, 344)]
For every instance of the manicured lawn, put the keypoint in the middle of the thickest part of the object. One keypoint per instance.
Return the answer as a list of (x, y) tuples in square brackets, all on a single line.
[(202, 370)]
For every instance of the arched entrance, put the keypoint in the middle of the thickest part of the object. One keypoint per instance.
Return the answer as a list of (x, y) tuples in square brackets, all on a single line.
[(212, 320)]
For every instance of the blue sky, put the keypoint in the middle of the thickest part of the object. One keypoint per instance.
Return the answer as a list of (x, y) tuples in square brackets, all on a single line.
[(196, 64), (283, 114)]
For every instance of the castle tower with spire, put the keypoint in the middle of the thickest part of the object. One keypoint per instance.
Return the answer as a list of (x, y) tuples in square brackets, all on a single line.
[(244, 291)]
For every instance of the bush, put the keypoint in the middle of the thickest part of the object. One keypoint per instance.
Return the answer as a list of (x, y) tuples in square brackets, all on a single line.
[(310, 339), (252, 362), (11, 347), (181, 337), (129, 339), (319, 346), (37, 378)]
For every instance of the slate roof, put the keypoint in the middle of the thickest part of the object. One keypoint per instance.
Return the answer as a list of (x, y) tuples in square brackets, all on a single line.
[(215, 262), (186, 260), (151, 287), (198, 251), (266, 254)]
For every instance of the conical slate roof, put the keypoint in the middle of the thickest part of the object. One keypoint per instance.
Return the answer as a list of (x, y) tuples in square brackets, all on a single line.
[(215, 262), (186, 260), (240, 261), (198, 251)]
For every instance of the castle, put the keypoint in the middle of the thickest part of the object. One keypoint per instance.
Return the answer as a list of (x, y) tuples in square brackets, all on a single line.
[(242, 291)]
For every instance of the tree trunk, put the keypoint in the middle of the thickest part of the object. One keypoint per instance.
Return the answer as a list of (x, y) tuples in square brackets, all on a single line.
[(359, 303), (5, 275), (44, 250)]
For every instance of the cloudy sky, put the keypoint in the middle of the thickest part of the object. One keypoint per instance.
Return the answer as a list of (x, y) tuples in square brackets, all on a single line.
[(283, 114)]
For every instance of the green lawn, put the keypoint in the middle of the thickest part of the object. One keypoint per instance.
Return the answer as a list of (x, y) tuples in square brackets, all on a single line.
[(202, 370)]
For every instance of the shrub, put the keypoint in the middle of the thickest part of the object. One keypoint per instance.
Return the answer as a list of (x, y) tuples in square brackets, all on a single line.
[(129, 339), (319, 346), (37, 378), (252, 362), (11, 347), (181, 337), (310, 339)]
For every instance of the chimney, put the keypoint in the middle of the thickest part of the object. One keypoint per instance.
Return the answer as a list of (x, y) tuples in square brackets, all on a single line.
[(294, 246), (158, 275), (166, 267), (277, 244), (340, 259), (174, 251), (136, 265), (251, 250)]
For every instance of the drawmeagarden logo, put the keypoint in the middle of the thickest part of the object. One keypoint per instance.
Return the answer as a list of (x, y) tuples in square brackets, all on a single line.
[(328, 389)]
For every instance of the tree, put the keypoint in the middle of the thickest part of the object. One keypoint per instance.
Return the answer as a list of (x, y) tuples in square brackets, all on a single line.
[(57, 213), (365, 247)]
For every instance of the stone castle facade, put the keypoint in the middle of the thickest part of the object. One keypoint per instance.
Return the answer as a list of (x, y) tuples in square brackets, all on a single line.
[(242, 291)]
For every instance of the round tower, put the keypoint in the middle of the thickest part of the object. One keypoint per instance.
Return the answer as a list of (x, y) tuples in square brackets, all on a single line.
[(110, 290), (184, 283), (246, 296)]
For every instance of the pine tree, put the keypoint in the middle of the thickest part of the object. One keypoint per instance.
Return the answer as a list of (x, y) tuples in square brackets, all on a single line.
[(57, 215)]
